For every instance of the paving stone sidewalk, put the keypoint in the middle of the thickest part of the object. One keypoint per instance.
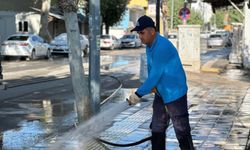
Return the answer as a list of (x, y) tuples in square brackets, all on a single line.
[(219, 118)]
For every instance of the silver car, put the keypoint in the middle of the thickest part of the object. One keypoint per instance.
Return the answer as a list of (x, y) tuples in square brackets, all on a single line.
[(109, 42), (59, 45), (173, 38), (25, 45), (216, 40), (131, 40)]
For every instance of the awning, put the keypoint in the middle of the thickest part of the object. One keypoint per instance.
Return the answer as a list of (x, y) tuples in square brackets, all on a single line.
[(50, 13), (80, 15)]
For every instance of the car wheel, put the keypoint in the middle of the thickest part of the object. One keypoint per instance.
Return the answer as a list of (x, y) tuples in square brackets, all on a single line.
[(85, 51), (33, 55), (135, 46), (48, 55)]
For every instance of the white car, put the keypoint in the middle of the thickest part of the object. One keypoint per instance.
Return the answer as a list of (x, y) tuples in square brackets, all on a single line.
[(216, 40), (59, 45), (25, 45), (173, 38), (131, 40), (109, 42)]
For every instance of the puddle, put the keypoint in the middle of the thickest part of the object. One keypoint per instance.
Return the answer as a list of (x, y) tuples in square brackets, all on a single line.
[(33, 124), (28, 122), (117, 61), (215, 54), (81, 137)]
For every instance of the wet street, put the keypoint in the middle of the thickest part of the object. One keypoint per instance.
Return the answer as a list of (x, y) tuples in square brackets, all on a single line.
[(38, 105), (39, 102)]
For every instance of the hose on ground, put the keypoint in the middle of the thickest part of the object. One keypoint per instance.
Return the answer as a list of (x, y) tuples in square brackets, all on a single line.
[(127, 144)]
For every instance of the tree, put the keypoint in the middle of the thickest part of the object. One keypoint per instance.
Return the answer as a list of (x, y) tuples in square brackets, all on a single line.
[(112, 12), (79, 81), (195, 17), (43, 32), (178, 4), (218, 17)]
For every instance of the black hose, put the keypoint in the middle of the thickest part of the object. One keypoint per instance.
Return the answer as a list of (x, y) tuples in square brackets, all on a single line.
[(125, 145), (134, 143)]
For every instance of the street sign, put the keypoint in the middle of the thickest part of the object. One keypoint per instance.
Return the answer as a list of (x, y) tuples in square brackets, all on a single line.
[(184, 13)]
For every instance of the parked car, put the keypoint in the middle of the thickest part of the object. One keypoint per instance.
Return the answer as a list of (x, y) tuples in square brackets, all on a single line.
[(216, 40), (205, 34), (173, 38), (227, 35), (59, 45), (109, 42), (25, 45), (131, 40)]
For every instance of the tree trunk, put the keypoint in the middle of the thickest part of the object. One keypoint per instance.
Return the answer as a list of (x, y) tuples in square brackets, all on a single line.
[(164, 10), (44, 21), (79, 81)]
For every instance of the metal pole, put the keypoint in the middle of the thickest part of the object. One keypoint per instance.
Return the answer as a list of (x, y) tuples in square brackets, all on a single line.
[(172, 14), (157, 15), (1, 69), (237, 8), (94, 57)]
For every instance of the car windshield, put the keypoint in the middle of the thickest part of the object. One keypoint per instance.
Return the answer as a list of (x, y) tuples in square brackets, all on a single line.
[(105, 37), (18, 38), (222, 32), (61, 37), (128, 36)]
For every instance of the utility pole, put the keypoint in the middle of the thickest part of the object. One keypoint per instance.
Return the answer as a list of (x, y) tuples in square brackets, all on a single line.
[(94, 57), (1, 69), (157, 17)]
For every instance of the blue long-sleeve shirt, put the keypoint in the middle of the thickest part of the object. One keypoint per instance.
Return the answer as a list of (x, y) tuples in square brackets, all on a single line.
[(165, 71)]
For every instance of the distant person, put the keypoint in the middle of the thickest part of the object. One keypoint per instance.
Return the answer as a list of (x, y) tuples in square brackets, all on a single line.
[(167, 79)]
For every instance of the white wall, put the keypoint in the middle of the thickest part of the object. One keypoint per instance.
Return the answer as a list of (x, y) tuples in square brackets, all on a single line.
[(117, 32), (33, 20), (7, 24)]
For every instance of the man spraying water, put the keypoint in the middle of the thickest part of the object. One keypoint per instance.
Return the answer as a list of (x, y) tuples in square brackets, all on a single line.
[(166, 77)]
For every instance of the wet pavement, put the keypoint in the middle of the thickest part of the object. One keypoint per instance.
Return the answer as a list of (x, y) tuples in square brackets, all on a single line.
[(219, 118), (219, 115)]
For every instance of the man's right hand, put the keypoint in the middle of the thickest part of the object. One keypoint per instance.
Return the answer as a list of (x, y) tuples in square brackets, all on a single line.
[(133, 99)]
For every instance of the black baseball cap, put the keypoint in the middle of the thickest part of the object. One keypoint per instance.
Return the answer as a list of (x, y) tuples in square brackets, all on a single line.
[(143, 22)]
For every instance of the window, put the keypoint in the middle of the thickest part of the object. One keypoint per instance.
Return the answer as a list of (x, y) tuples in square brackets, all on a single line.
[(23, 26), (20, 26)]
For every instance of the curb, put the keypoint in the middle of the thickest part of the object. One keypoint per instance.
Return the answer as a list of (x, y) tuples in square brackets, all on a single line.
[(208, 67)]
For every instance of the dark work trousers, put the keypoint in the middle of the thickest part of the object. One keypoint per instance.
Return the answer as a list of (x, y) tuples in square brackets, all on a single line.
[(177, 111)]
